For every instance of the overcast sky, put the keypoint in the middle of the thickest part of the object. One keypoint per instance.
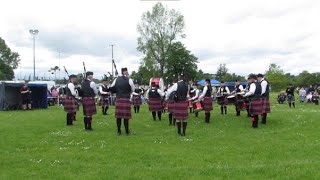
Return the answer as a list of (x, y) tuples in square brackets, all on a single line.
[(246, 35)]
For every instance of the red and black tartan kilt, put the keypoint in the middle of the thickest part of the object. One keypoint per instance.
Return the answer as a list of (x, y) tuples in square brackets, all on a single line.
[(207, 104), (89, 106), (256, 106), (136, 100), (70, 104), (265, 105), (155, 104), (170, 106), (123, 108), (223, 101), (181, 110), (104, 101)]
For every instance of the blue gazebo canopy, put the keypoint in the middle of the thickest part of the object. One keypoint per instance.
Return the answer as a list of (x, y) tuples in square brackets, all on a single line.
[(213, 81)]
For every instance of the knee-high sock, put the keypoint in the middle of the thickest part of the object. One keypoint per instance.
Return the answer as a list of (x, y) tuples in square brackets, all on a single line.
[(255, 119), (159, 115), (89, 119), (225, 109), (69, 118), (135, 109), (196, 113), (170, 118), (106, 109), (154, 115), (174, 121), (206, 117), (85, 121), (126, 125), (190, 110), (184, 127), (102, 109), (293, 105), (264, 118), (221, 108), (289, 104), (179, 127), (138, 109), (119, 125)]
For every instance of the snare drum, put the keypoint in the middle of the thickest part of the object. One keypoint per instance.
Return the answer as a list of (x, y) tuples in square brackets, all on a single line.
[(231, 99), (220, 100), (198, 106)]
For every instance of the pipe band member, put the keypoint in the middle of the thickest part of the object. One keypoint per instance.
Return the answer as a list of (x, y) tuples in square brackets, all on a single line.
[(123, 87), (254, 95), (238, 104), (207, 100), (223, 91), (89, 91), (264, 97), (70, 102), (181, 103), (104, 96), (154, 96), (194, 98), (136, 98)]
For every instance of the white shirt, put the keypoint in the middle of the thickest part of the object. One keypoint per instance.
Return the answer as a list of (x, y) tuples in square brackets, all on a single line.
[(130, 83), (93, 87), (101, 91), (302, 92), (161, 93), (252, 90), (204, 91), (72, 89), (227, 89), (197, 91), (173, 88), (264, 84)]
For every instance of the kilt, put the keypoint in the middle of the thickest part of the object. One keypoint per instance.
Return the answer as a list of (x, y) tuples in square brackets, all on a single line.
[(223, 101), (170, 106), (123, 108), (104, 101), (70, 104), (89, 106), (207, 104), (136, 100), (155, 104), (256, 106), (265, 105), (180, 110), (290, 98)]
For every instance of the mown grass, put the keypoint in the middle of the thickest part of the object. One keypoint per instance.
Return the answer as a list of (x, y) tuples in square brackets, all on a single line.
[(37, 145)]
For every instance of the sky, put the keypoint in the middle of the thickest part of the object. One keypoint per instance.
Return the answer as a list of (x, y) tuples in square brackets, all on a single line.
[(246, 35)]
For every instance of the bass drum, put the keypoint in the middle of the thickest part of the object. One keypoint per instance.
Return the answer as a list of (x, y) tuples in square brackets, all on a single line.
[(158, 81)]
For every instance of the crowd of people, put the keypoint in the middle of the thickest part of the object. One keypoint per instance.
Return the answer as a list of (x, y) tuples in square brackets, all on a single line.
[(309, 95)]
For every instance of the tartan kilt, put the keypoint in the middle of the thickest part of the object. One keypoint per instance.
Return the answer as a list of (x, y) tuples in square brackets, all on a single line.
[(207, 104), (180, 110), (256, 106), (70, 104), (290, 98), (170, 106), (155, 104), (89, 106), (104, 101), (123, 108), (136, 100), (223, 101), (265, 105)]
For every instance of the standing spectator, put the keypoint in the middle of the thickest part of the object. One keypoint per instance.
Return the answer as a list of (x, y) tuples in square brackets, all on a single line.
[(302, 94), (290, 95), (54, 94), (26, 97)]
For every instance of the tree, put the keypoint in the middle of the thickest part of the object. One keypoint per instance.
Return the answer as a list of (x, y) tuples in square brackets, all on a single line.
[(8, 61), (181, 61), (276, 77), (305, 78), (158, 30), (222, 72)]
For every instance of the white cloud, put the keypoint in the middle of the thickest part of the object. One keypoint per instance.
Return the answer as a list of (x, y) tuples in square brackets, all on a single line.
[(243, 34)]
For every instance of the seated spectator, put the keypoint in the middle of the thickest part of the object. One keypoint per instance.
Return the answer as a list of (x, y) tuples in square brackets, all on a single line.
[(315, 98), (309, 97)]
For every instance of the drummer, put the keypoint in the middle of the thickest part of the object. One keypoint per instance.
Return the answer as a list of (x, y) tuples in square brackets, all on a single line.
[(238, 88), (223, 92), (207, 100), (195, 97)]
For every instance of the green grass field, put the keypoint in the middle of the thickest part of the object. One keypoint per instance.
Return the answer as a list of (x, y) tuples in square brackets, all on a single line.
[(38, 145)]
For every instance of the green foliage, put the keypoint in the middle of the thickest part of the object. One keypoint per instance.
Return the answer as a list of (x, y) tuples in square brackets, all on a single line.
[(158, 29), (38, 145), (305, 78), (181, 61), (276, 77), (8, 61)]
